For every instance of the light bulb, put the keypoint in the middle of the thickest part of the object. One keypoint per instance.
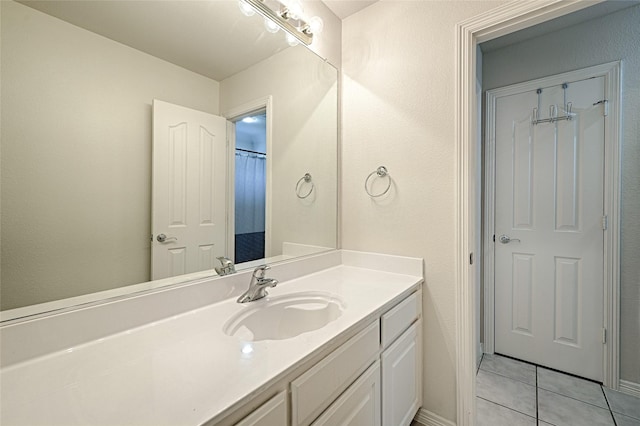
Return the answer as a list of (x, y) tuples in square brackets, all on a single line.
[(270, 26), (295, 9), (246, 8), (292, 40), (316, 25)]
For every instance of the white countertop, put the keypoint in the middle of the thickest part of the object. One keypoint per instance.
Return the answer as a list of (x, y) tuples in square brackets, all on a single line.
[(184, 369)]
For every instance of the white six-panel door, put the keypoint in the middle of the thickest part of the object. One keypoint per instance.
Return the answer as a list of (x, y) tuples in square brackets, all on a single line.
[(549, 202), (189, 190)]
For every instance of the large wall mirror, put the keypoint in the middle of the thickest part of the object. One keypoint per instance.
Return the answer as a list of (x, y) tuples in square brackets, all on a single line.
[(106, 187)]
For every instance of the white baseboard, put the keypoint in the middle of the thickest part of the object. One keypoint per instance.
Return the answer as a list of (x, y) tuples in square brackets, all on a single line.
[(630, 388), (427, 418)]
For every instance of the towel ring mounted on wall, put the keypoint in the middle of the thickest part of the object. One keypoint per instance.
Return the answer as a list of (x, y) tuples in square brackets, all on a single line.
[(306, 178), (380, 172)]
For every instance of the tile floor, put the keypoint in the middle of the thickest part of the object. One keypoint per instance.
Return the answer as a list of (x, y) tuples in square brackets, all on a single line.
[(514, 393)]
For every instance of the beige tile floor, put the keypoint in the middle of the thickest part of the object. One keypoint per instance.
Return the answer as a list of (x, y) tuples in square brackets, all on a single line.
[(513, 393)]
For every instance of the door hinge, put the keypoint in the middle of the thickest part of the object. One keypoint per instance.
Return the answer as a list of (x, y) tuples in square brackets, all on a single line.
[(606, 106), (604, 336), (494, 238), (471, 258), (605, 222)]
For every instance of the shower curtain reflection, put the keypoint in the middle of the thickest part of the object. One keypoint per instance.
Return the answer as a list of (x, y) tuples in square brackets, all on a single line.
[(250, 193)]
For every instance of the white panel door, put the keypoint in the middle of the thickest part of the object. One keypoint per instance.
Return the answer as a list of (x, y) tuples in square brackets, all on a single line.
[(189, 190), (549, 281)]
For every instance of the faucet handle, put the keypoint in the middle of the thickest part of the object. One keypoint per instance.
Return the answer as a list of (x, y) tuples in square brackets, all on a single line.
[(260, 271), (224, 261), (227, 266)]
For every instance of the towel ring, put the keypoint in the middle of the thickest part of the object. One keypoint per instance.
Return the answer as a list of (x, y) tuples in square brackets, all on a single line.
[(306, 178), (380, 172)]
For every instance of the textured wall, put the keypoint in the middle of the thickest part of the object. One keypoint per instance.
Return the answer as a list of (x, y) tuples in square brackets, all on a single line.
[(304, 93), (398, 111), (605, 39), (76, 156)]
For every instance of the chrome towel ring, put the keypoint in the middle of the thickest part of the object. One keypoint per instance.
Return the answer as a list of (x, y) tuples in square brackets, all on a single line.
[(306, 178), (380, 172)]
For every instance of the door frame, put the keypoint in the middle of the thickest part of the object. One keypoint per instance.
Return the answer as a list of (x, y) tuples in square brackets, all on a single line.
[(610, 300), (234, 114), (499, 21)]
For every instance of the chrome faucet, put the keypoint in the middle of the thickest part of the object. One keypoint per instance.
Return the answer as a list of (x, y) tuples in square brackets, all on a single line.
[(258, 285), (227, 266)]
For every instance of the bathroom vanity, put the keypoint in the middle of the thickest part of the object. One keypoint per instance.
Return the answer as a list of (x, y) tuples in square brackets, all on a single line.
[(339, 339)]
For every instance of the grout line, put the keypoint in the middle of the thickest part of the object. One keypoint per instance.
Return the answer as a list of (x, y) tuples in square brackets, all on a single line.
[(608, 405), (576, 399), (502, 375), (537, 402), (504, 406)]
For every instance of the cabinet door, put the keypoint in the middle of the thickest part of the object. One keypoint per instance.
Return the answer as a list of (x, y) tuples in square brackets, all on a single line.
[(402, 378), (271, 413), (359, 405), (315, 390)]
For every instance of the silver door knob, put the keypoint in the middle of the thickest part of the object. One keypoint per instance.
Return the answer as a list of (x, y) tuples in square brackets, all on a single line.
[(505, 239), (163, 238)]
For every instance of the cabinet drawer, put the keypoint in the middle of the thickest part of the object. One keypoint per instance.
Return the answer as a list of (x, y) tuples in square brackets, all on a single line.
[(271, 413), (359, 405), (316, 389), (400, 318)]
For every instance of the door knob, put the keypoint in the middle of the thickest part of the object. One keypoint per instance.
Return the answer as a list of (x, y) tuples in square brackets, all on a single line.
[(163, 238), (505, 239)]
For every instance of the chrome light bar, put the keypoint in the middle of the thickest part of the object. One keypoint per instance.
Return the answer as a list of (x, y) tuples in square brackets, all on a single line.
[(278, 13)]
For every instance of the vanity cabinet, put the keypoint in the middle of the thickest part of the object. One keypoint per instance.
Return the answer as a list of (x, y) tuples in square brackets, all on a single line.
[(271, 413), (316, 389), (401, 373), (359, 405), (401, 361), (388, 393), (373, 379)]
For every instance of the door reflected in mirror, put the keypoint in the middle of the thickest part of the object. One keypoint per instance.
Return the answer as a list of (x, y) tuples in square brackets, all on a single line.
[(77, 188), (250, 187)]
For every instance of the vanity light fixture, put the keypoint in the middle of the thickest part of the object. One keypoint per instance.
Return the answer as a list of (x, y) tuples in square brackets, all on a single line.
[(245, 8), (271, 26), (292, 40), (288, 17)]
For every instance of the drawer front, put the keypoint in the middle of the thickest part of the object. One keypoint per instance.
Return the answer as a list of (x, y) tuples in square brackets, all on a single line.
[(359, 405), (271, 413), (400, 318), (316, 389)]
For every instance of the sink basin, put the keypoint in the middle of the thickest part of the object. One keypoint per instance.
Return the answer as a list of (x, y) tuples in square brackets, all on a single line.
[(284, 317)]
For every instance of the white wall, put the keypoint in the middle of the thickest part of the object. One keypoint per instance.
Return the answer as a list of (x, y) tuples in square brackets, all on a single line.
[(609, 38), (327, 44), (76, 128), (398, 111), (304, 136)]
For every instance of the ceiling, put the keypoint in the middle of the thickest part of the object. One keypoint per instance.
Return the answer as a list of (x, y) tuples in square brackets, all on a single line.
[(344, 8), (210, 38), (575, 18)]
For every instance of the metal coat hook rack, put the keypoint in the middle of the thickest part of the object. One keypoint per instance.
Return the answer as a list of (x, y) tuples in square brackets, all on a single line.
[(553, 110)]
